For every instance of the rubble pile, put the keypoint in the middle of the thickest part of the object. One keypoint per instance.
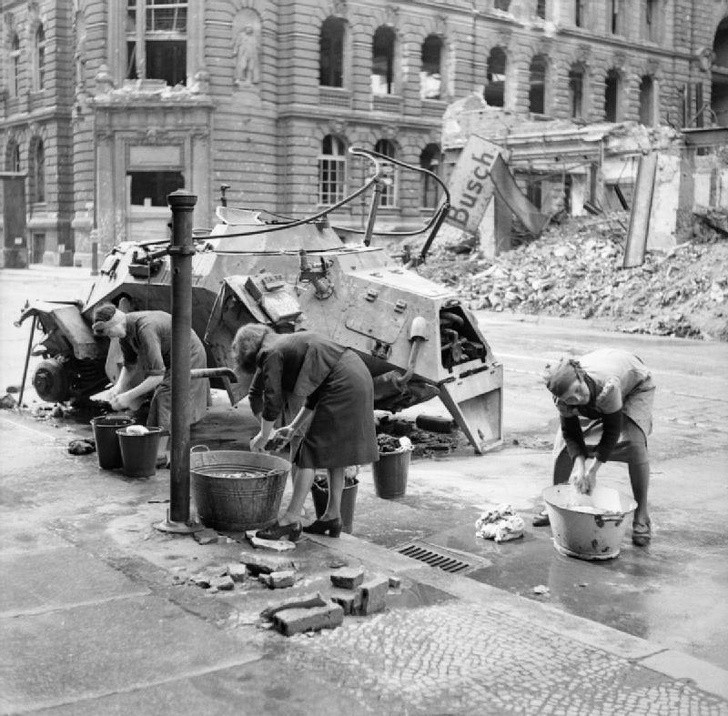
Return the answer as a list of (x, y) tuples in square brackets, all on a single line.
[(575, 270)]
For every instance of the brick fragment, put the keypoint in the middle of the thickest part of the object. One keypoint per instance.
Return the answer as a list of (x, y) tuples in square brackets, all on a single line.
[(373, 596), (201, 580), (348, 578), (279, 580), (224, 584), (350, 602), (237, 572), (206, 536), (395, 582), (265, 564), (297, 621)]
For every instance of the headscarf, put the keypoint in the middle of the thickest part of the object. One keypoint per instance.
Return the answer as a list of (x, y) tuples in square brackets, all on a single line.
[(107, 317), (561, 376)]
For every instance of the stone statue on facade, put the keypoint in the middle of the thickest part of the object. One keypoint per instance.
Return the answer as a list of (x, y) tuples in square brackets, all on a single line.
[(246, 48)]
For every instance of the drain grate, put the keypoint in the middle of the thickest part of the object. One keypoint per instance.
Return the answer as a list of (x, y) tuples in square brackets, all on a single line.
[(436, 557)]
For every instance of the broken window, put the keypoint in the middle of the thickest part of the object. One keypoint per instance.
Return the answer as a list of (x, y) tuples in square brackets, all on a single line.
[(494, 92), (719, 88), (502, 5), (537, 85), (332, 170), (39, 75), (430, 159), (541, 9), (331, 52), (383, 46), (151, 188), (12, 157), (615, 18), (647, 101), (431, 74), (576, 92), (156, 40), (580, 13), (37, 175), (651, 18), (388, 197), (534, 193), (611, 96), (15, 65)]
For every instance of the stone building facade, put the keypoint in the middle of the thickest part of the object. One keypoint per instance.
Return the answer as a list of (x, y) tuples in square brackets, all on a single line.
[(107, 106)]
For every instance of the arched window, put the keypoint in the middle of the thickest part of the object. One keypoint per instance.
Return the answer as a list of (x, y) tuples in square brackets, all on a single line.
[(537, 85), (611, 96), (12, 157), (383, 46), (576, 91), (40, 58), (431, 72), (38, 192), (156, 40), (15, 65), (388, 196), (647, 101), (331, 52), (494, 92), (430, 159), (332, 170)]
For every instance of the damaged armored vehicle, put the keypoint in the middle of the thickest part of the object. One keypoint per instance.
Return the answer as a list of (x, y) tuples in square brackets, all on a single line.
[(416, 337)]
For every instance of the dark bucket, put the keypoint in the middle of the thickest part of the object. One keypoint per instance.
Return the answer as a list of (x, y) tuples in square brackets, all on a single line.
[(139, 452), (107, 442), (348, 502), (390, 473)]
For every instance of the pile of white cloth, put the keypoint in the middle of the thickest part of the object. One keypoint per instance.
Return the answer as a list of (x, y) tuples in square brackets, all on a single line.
[(501, 524)]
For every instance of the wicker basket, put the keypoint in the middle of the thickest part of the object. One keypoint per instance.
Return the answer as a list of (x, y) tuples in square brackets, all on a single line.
[(237, 503)]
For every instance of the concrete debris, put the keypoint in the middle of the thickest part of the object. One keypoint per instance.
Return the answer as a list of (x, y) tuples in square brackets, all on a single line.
[(304, 602), (264, 565), (81, 447), (278, 545), (541, 589), (222, 584), (395, 582), (576, 270), (278, 580), (202, 580), (206, 536), (501, 524), (7, 402), (237, 572), (350, 602), (349, 578), (297, 621), (373, 596)]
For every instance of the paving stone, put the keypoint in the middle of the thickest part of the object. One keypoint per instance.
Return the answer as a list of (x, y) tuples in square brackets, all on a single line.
[(348, 578), (237, 572), (373, 596), (297, 621)]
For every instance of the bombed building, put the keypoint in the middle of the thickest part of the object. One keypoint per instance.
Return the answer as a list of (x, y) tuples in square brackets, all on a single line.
[(106, 107)]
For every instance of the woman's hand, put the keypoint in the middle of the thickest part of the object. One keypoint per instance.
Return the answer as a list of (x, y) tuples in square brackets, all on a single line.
[(578, 475), (281, 437), (120, 401), (257, 443)]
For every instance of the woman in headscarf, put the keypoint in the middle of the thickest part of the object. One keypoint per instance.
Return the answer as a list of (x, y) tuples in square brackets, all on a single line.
[(145, 339), (335, 424), (614, 388)]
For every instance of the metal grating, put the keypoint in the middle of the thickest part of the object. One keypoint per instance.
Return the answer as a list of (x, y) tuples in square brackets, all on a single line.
[(435, 557)]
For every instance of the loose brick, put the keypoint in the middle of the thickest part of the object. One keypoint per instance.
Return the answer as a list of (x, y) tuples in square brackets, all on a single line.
[(395, 582), (237, 572), (373, 596), (224, 584), (350, 602), (265, 565), (297, 621), (281, 580), (349, 578)]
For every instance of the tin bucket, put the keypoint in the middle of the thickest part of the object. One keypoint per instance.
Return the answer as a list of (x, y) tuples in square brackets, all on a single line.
[(391, 472), (139, 452), (237, 490), (108, 451), (588, 531)]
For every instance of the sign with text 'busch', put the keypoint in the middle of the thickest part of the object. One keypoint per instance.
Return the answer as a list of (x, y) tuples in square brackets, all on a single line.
[(471, 187)]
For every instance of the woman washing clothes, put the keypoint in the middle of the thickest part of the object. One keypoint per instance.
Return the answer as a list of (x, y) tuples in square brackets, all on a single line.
[(145, 339), (335, 424), (613, 388)]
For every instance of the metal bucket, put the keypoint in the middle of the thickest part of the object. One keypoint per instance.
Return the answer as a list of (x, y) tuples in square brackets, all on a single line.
[(390, 473), (588, 533), (225, 502)]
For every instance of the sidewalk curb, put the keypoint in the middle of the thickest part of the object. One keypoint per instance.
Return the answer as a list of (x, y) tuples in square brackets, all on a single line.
[(669, 662)]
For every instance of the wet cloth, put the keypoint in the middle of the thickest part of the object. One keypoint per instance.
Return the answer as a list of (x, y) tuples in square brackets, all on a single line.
[(334, 383), (620, 386), (148, 345)]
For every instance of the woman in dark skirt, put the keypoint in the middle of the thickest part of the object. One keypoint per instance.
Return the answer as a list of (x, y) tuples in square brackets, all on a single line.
[(335, 424)]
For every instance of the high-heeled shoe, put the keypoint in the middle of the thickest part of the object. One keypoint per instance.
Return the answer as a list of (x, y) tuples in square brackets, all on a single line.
[(277, 531), (322, 527)]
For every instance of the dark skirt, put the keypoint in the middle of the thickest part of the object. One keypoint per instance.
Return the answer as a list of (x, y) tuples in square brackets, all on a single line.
[(341, 431)]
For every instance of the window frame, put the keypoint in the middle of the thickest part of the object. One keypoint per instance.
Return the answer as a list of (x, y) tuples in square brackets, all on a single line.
[(391, 61), (490, 73), (39, 58), (14, 56), (434, 37), (333, 161), (580, 72), (389, 198), (428, 186), (39, 183), (543, 59), (340, 24)]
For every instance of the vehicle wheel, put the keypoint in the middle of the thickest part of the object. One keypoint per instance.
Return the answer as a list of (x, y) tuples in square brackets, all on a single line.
[(51, 381)]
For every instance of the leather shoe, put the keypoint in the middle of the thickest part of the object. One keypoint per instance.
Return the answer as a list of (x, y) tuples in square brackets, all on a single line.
[(279, 531), (322, 527), (641, 533), (541, 519)]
